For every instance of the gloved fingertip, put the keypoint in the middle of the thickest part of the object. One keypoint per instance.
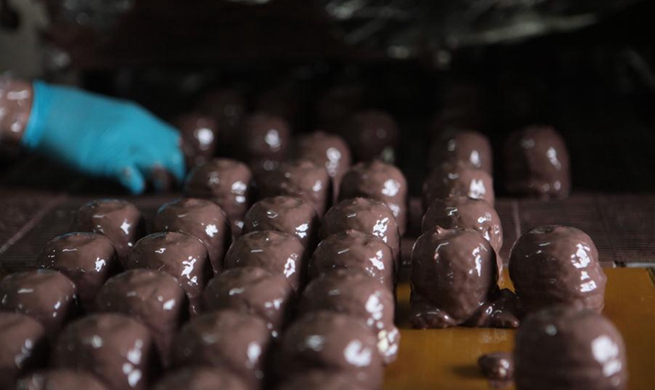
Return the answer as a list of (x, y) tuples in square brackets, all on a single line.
[(132, 179)]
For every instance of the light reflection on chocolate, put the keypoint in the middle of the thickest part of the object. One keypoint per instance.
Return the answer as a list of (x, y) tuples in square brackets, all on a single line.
[(23, 347)]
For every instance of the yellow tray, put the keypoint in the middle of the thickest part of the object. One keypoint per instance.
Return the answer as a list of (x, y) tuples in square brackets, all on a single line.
[(446, 359)]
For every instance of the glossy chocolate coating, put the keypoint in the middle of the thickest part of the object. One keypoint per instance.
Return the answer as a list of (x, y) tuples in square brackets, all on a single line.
[(356, 252), (563, 347), (254, 291), (379, 181), (264, 141), (152, 297), (179, 255), (118, 220), (557, 264), (327, 150), (333, 342), (203, 219), (276, 252), (23, 347), (228, 339), (453, 274), (45, 295), (228, 109), (199, 137), (465, 213), (537, 163), (500, 311), (59, 380), (200, 378), (285, 214), (225, 182), (497, 366), (88, 259), (321, 380), (358, 295), (364, 215), (466, 147), (447, 181), (118, 350), (372, 134), (302, 179)]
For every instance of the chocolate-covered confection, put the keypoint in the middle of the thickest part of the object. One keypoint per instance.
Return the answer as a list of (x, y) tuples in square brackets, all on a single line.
[(23, 347), (379, 181), (118, 220), (358, 295), (152, 297), (277, 252), (264, 142), (199, 137), (228, 109), (333, 342), (537, 163), (200, 218), (466, 213), (228, 339), (45, 295), (177, 254), (453, 274), (327, 150), (251, 290), (225, 182), (300, 178), (497, 366), (448, 180), (88, 259), (364, 215), (372, 134), (200, 378), (500, 311), (59, 380), (563, 347), (356, 252), (285, 214), (557, 264), (117, 349), (467, 147), (321, 380)]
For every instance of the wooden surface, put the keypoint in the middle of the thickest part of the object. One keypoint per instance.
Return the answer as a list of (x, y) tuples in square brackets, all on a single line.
[(446, 359)]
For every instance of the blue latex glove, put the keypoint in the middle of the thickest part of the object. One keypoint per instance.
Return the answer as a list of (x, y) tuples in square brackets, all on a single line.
[(101, 136)]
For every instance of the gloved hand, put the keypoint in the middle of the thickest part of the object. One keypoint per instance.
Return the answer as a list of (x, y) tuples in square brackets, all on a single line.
[(101, 136)]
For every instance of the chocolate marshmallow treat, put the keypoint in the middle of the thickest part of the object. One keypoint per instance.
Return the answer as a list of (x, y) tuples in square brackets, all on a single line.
[(364, 215), (302, 179), (557, 264), (179, 255), (264, 141), (448, 180), (356, 252), (200, 378), (321, 380), (379, 181), (537, 163), (60, 380), (563, 347), (276, 252), (203, 219), (254, 291), (360, 296), (465, 213), (454, 273), (225, 182), (372, 134), (117, 349), (199, 137), (237, 342), (23, 347), (228, 109), (88, 259), (465, 147), (497, 366), (45, 295), (327, 150), (285, 214), (118, 220), (333, 342), (152, 297)]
